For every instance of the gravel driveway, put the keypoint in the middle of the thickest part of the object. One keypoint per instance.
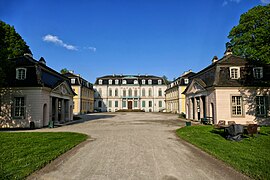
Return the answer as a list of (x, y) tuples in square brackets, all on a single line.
[(133, 146)]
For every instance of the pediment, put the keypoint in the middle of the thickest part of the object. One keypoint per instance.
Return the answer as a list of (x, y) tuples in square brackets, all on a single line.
[(63, 89), (195, 87)]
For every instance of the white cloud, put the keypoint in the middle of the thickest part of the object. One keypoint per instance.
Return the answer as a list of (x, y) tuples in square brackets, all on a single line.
[(56, 40), (234, 1), (93, 49), (265, 1)]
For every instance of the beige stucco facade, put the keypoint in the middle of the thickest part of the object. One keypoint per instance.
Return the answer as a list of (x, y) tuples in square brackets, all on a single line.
[(40, 105), (84, 100), (219, 104)]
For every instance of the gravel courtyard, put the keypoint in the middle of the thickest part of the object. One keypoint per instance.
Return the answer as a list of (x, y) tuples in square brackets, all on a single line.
[(133, 146)]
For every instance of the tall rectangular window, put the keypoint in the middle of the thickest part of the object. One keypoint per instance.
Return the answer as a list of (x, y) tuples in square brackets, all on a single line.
[(143, 103), (237, 106), (124, 103), (19, 107), (261, 106), (72, 81), (150, 103), (135, 104), (110, 103), (116, 104), (160, 103)]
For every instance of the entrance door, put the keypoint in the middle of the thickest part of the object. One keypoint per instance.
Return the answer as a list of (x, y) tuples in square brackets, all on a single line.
[(129, 104)]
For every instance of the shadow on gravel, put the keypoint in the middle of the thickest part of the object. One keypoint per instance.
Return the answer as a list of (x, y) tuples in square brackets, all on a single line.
[(166, 122), (90, 117)]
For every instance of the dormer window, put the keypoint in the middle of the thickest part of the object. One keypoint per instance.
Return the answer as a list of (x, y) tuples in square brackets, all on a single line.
[(100, 81), (143, 81), (116, 81), (21, 73), (149, 81), (72, 81), (124, 82), (186, 81), (159, 81), (234, 72), (258, 72), (135, 81), (110, 81)]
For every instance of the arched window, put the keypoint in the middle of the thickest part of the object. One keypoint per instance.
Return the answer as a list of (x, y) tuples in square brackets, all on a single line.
[(110, 92), (130, 92), (150, 92), (143, 92), (116, 92), (124, 93)]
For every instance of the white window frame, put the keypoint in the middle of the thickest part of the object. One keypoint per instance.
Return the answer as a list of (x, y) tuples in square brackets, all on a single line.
[(159, 81), (100, 81), (261, 106), (233, 75), (257, 75), (21, 73), (19, 107), (124, 82), (238, 107), (135, 81), (143, 81), (72, 81), (116, 81), (110, 81), (150, 81), (186, 81)]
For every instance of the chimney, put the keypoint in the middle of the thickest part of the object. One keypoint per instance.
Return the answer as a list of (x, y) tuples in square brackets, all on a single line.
[(228, 52), (215, 59), (42, 61)]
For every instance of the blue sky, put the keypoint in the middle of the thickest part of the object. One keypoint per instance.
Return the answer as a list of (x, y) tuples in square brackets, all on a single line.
[(101, 37)]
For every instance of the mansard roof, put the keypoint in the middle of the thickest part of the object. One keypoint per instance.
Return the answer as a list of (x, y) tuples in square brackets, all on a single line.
[(218, 73), (180, 81), (37, 74), (130, 79), (79, 81)]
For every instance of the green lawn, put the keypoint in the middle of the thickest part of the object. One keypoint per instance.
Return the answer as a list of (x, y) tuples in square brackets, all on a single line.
[(250, 156), (22, 153)]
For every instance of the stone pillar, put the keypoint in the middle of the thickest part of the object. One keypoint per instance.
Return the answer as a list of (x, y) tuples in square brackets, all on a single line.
[(50, 109), (192, 108), (202, 106), (62, 110), (56, 110)]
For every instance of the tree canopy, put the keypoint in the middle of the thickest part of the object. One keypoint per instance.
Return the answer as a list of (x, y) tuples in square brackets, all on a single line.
[(11, 45), (251, 37)]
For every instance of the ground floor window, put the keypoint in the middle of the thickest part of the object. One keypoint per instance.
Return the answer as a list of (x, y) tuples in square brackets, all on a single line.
[(237, 106), (116, 104), (19, 107), (110, 103), (143, 103), (124, 104), (261, 105), (135, 104), (150, 103), (160, 103)]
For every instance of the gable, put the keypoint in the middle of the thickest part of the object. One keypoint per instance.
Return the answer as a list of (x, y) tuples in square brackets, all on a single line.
[(63, 89), (194, 87)]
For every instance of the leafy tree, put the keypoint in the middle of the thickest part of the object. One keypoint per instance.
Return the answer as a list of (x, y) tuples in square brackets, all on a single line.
[(64, 71), (11, 45), (251, 37)]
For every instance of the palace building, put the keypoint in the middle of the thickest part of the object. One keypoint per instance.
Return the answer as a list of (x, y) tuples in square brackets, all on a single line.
[(130, 92)]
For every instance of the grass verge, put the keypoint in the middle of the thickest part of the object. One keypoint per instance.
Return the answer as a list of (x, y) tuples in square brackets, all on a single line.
[(22, 153), (250, 156)]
